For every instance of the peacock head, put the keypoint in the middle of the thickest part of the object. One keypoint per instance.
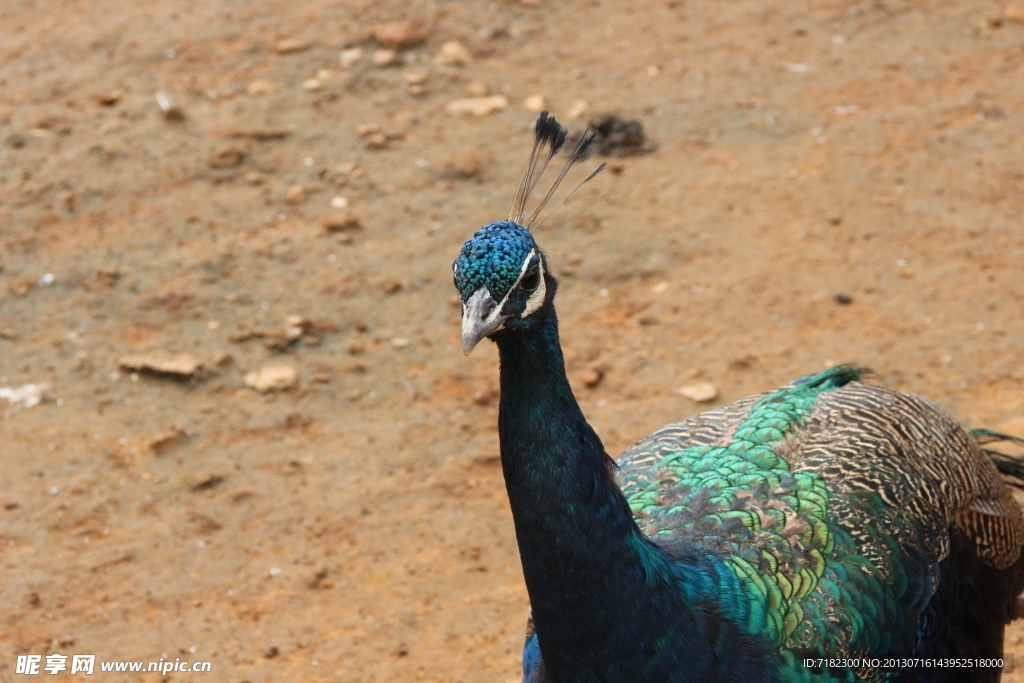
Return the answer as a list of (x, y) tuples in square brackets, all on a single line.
[(501, 273), (503, 281)]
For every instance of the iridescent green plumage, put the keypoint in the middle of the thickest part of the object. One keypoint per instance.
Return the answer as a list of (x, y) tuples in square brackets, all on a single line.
[(832, 501), (747, 506)]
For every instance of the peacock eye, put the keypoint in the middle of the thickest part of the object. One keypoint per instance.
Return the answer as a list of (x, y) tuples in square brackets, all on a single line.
[(531, 280)]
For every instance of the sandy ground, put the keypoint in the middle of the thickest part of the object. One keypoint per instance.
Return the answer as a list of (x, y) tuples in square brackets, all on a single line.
[(354, 527)]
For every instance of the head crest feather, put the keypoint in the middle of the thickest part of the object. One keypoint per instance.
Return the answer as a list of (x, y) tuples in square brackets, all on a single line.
[(548, 138)]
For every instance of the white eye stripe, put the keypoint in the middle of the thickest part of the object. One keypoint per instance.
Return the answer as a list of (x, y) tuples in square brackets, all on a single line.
[(522, 271), (536, 299)]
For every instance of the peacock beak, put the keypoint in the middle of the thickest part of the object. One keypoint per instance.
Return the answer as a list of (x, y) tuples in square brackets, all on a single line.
[(480, 317)]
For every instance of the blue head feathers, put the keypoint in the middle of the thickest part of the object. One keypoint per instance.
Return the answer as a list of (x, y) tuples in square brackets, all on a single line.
[(493, 258)]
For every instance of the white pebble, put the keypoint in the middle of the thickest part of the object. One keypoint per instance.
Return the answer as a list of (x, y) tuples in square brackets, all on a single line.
[(384, 57), (350, 56), (477, 106), (28, 395), (272, 378), (453, 53), (535, 103), (700, 393)]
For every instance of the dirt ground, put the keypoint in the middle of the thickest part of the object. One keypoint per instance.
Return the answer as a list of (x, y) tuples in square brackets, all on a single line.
[(354, 526)]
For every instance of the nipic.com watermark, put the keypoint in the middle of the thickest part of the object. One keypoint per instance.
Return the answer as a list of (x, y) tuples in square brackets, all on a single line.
[(31, 665)]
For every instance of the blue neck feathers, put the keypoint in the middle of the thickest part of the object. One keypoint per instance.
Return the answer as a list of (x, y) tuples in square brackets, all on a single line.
[(607, 604)]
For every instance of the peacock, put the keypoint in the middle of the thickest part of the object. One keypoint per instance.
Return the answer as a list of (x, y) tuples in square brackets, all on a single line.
[(830, 529)]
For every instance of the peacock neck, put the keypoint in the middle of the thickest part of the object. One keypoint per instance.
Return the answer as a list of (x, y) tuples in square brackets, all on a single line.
[(602, 597), (567, 506)]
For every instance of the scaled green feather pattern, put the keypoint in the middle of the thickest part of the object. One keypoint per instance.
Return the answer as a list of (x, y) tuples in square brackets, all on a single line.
[(834, 528)]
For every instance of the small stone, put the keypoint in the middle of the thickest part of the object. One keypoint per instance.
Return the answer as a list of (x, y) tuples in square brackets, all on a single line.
[(20, 287), (399, 34), (160, 442), (340, 222), (376, 141), (453, 53), (28, 395), (312, 84), (477, 106), (320, 573), (253, 178), (1014, 12), (577, 109), (272, 378), (486, 397), (700, 393), (414, 77), (592, 377), (477, 89), (294, 327), (226, 157), (843, 298), (347, 58), (109, 99), (384, 57), (339, 202), (296, 194), (162, 362), (535, 103), (289, 45), (222, 359), (464, 163), (399, 342), (262, 134), (262, 87), (172, 111)]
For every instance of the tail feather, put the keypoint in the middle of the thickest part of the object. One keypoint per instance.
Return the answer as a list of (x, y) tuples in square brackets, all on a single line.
[(1010, 466)]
